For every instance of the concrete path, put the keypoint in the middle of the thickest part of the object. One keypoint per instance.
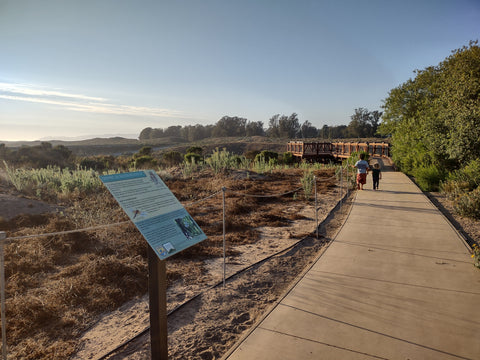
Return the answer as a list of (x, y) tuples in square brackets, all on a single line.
[(397, 282)]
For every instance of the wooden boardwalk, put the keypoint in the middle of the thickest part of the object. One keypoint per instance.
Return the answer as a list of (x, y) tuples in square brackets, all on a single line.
[(334, 151)]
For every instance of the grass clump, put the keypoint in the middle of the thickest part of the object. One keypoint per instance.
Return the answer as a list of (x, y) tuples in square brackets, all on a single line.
[(52, 182), (462, 188)]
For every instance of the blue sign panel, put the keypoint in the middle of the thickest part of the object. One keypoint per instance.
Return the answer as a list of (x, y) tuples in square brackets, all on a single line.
[(155, 211)]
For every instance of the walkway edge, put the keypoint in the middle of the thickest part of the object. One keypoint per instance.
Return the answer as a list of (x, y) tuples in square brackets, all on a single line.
[(293, 283), (459, 234)]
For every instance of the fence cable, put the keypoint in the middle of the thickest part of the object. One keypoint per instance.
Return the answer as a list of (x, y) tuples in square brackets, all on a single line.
[(23, 237), (205, 198), (92, 228), (263, 196)]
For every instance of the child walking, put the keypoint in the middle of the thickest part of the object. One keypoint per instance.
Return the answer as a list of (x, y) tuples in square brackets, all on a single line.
[(362, 168), (376, 175)]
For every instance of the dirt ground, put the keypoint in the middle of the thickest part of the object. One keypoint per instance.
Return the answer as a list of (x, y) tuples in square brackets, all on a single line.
[(208, 325)]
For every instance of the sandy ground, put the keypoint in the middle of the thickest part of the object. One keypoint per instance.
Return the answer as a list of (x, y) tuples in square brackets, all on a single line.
[(209, 325)]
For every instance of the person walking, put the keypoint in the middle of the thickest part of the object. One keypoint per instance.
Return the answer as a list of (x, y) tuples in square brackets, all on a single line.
[(362, 168), (376, 175)]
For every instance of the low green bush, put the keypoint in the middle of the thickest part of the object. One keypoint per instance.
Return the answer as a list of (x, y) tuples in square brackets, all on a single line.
[(145, 161), (288, 158), (266, 155), (468, 204), (192, 158), (468, 176), (429, 178), (172, 158)]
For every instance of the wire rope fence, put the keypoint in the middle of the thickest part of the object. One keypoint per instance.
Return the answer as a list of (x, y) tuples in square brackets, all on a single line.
[(224, 191)]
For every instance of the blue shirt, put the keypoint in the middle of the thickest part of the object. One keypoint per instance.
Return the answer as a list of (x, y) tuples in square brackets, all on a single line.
[(362, 166)]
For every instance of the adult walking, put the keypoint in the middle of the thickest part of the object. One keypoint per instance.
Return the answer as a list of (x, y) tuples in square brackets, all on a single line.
[(362, 169)]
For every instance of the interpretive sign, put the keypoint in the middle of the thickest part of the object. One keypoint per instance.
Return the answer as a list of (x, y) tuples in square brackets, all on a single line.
[(155, 211)]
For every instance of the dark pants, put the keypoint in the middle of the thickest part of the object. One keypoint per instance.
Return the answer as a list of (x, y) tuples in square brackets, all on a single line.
[(375, 182)]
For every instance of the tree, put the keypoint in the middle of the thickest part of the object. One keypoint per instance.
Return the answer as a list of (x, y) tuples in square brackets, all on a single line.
[(273, 130), (324, 132), (230, 126), (173, 131), (145, 134), (283, 126), (308, 130), (254, 128), (375, 117), (364, 123), (434, 119), (157, 134), (289, 127)]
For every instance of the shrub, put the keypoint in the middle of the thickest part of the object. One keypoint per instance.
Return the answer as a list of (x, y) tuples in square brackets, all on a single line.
[(288, 158), (49, 183), (195, 150), (307, 183), (250, 155), (476, 255), (222, 160), (354, 156), (144, 151), (144, 161), (453, 188), (429, 178), (172, 158), (192, 158), (469, 176), (468, 204), (267, 155), (97, 163)]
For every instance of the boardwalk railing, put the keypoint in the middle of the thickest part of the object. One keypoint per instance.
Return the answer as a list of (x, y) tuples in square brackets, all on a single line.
[(328, 151)]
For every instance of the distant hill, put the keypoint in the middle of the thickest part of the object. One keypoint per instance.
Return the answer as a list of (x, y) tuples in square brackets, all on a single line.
[(119, 145)]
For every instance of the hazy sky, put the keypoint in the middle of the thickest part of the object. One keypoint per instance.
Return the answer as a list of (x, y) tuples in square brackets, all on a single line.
[(96, 67)]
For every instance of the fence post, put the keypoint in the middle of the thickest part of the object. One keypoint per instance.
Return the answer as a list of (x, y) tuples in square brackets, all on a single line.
[(346, 168), (341, 186), (3, 236), (316, 206), (224, 252)]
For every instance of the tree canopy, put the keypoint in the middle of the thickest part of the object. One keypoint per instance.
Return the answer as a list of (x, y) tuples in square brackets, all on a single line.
[(434, 119)]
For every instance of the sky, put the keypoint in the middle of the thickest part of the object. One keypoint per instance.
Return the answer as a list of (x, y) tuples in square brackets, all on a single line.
[(86, 68)]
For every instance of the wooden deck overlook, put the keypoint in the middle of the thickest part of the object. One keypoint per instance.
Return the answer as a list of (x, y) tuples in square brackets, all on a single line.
[(332, 151)]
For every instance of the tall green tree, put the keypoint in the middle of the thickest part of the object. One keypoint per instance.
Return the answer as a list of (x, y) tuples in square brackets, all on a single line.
[(434, 119), (308, 130), (254, 128), (230, 126), (364, 123)]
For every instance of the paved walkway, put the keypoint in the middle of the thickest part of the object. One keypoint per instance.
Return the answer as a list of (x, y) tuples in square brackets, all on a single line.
[(396, 283)]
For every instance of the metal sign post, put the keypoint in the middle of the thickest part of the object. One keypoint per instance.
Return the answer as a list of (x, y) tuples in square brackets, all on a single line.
[(157, 291)]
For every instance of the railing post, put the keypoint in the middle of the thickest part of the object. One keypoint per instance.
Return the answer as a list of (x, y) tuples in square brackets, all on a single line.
[(224, 227), (341, 186), (3, 236), (316, 204)]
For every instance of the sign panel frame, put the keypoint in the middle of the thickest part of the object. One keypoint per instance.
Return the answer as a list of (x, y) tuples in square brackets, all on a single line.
[(155, 211)]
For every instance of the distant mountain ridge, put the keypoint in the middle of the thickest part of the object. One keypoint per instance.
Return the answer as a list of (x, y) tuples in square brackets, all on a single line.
[(88, 137)]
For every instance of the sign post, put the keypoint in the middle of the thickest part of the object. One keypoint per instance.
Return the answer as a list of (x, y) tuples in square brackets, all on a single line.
[(157, 290), (168, 229)]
